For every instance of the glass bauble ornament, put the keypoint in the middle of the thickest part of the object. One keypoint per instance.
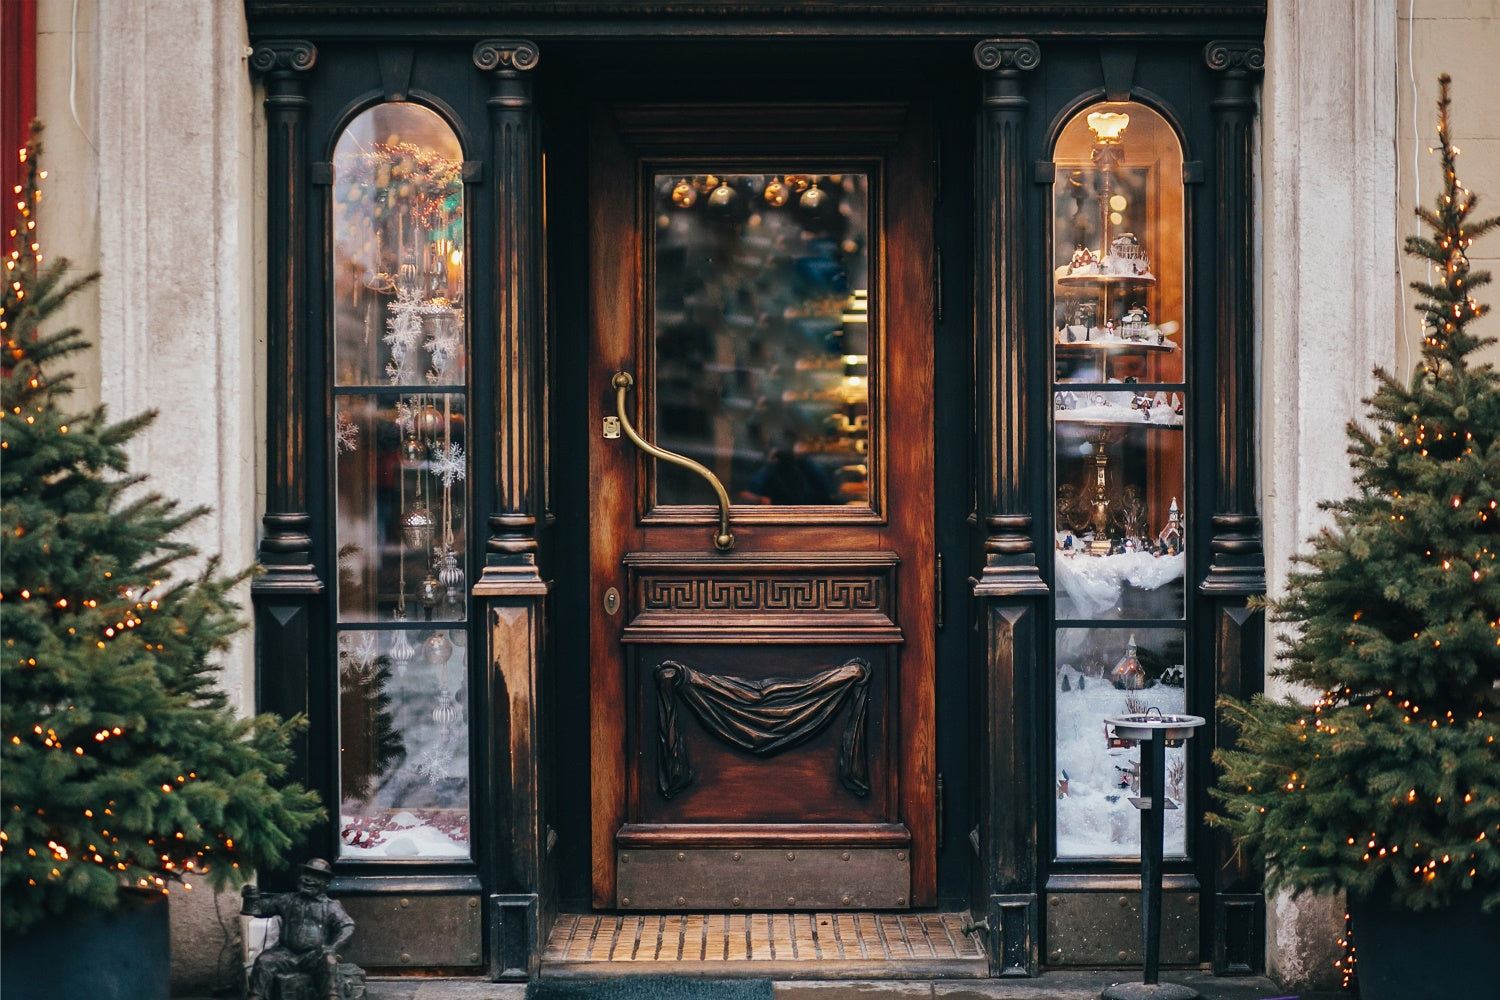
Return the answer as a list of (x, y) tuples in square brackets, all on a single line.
[(684, 194), (445, 713), (775, 193), (812, 198), (402, 650), (429, 591), (452, 577), (721, 196), (437, 649), (417, 525), (412, 451), (429, 422)]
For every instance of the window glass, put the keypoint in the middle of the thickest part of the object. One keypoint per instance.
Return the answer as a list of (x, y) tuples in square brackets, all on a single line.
[(1120, 413), (400, 359), (760, 305)]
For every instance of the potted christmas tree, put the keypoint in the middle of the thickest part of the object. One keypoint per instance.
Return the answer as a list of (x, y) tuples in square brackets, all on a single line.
[(127, 773), (1388, 785)]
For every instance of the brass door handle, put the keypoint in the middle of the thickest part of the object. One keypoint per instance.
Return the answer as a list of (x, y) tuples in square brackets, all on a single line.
[(623, 382)]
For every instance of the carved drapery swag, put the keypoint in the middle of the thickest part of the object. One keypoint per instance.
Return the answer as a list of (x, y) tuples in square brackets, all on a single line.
[(762, 717)]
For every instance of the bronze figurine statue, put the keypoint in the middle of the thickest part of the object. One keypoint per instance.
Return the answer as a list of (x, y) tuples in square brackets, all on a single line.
[(304, 964)]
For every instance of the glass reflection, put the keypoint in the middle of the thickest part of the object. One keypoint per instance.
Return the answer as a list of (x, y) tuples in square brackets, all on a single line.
[(762, 358), (399, 442), (403, 744), (1107, 672)]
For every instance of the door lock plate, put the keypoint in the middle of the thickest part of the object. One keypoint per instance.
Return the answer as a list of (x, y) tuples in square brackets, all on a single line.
[(611, 601), (611, 428)]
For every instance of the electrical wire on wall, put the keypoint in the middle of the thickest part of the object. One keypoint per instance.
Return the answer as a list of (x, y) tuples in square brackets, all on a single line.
[(73, 79)]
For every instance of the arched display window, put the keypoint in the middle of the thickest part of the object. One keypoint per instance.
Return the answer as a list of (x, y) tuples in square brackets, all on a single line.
[(400, 358), (1120, 408)]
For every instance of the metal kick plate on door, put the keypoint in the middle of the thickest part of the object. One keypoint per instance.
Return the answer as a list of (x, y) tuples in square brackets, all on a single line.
[(793, 878)]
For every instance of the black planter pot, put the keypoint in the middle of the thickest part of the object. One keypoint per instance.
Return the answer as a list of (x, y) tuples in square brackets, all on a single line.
[(124, 955), (1444, 954)]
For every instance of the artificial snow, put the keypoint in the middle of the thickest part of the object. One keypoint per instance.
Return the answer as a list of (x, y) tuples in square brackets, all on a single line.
[(1090, 586), (1095, 818)]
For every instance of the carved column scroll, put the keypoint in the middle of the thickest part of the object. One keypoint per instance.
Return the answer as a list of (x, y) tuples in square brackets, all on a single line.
[(282, 594), (516, 194)]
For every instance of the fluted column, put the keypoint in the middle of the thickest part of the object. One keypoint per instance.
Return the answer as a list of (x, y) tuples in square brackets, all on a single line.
[(510, 586), (516, 226), (1008, 586), (1004, 363), (283, 593), (1238, 562), (1237, 569)]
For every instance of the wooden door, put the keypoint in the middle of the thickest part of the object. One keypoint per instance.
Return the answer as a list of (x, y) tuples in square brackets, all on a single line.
[(762, 714)]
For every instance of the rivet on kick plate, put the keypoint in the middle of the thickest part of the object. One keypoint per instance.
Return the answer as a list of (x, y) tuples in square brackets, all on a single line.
[(791, 855), (681, 856), (844, 856), (735, 901)]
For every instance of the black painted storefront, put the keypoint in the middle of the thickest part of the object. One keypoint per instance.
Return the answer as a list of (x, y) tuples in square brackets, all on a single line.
[(518, 83)]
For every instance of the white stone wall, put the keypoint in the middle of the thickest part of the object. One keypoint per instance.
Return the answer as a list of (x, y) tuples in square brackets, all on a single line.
[(1328, 264), (1341, 151), (1460, 38), (150, 153)]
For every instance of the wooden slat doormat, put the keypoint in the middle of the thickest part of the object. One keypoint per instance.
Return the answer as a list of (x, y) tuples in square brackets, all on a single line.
[(775, 945)]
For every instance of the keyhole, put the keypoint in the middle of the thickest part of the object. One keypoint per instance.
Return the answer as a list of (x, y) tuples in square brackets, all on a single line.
[(611, 601)]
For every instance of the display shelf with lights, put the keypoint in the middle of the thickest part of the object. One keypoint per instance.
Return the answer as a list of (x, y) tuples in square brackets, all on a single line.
[(1120, 407)]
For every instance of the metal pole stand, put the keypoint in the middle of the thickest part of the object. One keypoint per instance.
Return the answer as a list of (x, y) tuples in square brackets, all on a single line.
[(1153, 730)]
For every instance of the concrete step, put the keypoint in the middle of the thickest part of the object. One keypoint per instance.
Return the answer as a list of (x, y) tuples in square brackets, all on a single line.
[(1080, 985)]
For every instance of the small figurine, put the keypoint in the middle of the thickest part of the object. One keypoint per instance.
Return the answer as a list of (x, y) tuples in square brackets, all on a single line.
[(304, 964)]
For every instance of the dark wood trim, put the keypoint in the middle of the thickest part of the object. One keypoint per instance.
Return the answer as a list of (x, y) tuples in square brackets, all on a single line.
[(1005, 839), (1004, 384), (516, 295), (1238, 565), (740, 17), (762, 835), (283, 595)]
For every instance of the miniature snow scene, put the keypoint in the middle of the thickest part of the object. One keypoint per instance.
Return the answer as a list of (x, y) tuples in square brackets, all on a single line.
[(1104, 672)]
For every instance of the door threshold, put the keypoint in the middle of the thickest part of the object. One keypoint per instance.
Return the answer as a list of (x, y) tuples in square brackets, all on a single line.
[(810, 945)]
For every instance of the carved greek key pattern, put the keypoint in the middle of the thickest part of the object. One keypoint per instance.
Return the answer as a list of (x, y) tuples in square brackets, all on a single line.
[(761, 594)]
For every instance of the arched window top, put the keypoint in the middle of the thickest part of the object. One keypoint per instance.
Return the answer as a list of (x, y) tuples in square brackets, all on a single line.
[(398, 230), (1138, 131)]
